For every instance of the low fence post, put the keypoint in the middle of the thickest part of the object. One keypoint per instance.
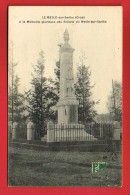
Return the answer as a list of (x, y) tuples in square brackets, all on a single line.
[(116, 135), (50, 132), (101, 131), (30, 131), (117, 130), (14, 131)]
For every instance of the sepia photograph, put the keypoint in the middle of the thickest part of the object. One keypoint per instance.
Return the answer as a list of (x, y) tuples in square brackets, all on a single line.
[(65, 96)]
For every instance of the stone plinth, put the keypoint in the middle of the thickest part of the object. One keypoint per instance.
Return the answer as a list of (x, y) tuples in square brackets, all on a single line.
[(71, 132), (67, 132), (67, 111)]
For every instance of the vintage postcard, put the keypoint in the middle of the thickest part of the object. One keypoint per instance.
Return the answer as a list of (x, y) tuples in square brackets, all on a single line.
[(65, 96)]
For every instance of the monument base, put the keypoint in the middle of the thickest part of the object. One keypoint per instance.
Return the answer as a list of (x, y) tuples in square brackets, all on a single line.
[(67, 111), (72, 132)]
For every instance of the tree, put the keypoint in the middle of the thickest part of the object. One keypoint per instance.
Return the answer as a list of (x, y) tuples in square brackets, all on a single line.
[(40, 98), (57, 79), (15, 98), (11, 90), (16, 102), (86, 111), (55, 83), (114, 103)]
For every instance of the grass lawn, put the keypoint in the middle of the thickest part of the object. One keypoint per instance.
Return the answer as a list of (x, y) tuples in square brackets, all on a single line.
[(47, 168)]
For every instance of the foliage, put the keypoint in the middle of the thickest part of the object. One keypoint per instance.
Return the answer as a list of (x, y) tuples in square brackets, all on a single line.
[(40, 98), (16, 102), (86, 111), (55, 86), (114, 103), (57, 79), (103, 118)]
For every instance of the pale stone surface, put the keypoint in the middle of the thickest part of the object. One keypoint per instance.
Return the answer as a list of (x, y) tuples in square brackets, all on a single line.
[(67, 132), (44, 139), (116, 124), (30, 131), (50, 132), (117, 133), (117, 130), (73, 134), (65, 126), (67, 93), (14, 130)]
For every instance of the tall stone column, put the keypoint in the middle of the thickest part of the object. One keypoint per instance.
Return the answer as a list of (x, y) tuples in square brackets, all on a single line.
[(68, 104)]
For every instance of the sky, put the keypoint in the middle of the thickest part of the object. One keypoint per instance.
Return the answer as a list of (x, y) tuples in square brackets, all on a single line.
[(95, 31)]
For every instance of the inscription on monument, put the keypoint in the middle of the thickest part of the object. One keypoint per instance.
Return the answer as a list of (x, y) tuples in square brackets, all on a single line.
[(73, 115)]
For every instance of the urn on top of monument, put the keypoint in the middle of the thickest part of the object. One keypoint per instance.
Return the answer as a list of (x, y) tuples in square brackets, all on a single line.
[(66, 46), (66, 36), (66, 70)]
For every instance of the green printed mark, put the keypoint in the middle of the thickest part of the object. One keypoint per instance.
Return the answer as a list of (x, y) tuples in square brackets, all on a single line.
[(96, 166)]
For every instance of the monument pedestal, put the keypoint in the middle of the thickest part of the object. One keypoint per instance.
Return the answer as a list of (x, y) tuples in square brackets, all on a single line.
[(71, 132), (67, 111)]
